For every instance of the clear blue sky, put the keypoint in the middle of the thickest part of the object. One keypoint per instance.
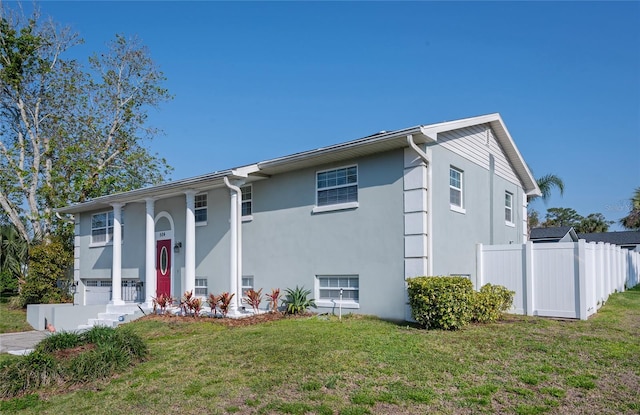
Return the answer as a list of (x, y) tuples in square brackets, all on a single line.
[(253, 81)]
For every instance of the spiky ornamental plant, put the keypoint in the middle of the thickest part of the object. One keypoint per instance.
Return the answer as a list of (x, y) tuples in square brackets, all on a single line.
[(185, 302), (254, 298), (161, 302), (297, 300), (213, 302), (225, 302), (273, 298)]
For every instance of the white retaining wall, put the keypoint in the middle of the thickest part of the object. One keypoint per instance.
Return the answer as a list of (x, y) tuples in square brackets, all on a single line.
[(560, 279)]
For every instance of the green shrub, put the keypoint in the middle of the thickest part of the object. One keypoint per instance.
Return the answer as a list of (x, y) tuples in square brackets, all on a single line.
[(48, 263), (440, 302), (297, 301), (114, 351), (490, 302)]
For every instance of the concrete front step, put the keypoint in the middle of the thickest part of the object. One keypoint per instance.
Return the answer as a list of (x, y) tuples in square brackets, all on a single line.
[(115, 315)]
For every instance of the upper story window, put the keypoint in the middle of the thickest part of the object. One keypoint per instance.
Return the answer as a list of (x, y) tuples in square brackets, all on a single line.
[(508, 207), (247, 195), (102, 227), (337, 186), (200, 210), (455, 188)]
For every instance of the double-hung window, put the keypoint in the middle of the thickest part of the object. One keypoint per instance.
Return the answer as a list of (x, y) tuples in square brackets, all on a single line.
[(330, 287), (247, 199), (102, 227), (247, 284), (337, 186), (455, 189), (200, 211), (508, 208), (201, 289)]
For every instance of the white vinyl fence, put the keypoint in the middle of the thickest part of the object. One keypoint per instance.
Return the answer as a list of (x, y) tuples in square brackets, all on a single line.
[(560, 279)]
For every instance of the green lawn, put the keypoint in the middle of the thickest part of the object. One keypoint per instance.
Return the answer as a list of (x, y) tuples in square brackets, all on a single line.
[(364, 365), (12, 320)]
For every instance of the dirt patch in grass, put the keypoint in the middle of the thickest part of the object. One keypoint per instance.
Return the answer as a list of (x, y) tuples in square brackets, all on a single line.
[(65, 354), (228, 322)]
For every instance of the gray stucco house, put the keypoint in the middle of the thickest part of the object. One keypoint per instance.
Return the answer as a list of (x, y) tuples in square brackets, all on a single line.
[(360, 216)]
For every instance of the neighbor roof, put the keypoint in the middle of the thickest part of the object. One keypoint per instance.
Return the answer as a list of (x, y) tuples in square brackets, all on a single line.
[(557, 232), (623, 238), (376, 143)]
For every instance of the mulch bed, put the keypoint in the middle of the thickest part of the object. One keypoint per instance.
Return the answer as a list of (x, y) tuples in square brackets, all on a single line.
[(229, 322)]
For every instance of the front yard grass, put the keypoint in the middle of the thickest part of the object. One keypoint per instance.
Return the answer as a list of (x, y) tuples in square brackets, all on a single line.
[(11, 320), (363, 365)]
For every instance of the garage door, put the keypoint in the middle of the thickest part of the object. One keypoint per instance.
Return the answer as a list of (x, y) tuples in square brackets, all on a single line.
[(97, 292)]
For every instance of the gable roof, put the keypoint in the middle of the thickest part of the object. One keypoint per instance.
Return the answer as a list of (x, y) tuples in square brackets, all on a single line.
[(376, 143), (624, 238), (553, 233)]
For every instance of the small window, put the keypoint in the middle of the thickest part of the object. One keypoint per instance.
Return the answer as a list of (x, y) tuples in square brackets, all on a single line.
[(201, 208), (455, 187), (247, 195), (201, 287), (247, 284), (508, 207), (337, 186), (102, 227), (329, 288)]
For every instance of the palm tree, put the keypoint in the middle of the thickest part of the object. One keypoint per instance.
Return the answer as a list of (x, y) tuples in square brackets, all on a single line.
[(547, 183), (632, 220), (13, 257)]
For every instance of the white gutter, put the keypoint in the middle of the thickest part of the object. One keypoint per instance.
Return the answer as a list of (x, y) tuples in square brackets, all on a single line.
[(235, 256), (427, 159)]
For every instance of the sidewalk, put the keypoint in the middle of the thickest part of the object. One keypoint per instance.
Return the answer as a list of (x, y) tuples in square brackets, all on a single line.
[(15, 343)]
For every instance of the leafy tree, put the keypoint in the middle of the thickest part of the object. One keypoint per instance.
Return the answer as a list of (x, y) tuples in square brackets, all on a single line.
[(561, 217), (69, 133), (632, 220), (13, 258), (594, 222), (49, 264)]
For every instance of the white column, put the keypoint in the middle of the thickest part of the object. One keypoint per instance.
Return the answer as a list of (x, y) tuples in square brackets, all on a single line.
[(150, 263), (190, 243), (116, 267)]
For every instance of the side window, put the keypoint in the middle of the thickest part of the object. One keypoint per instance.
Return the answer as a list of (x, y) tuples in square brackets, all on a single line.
[(455, 188), (329, 287), (337, 186), (247, 199), (201, 289), (508, 207), (201, 208), (247, 284)]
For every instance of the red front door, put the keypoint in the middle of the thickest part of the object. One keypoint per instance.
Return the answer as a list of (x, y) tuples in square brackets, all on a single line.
[(163, 267)]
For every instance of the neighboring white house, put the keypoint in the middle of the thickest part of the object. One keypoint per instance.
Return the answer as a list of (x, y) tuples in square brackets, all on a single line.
[(357, 217)]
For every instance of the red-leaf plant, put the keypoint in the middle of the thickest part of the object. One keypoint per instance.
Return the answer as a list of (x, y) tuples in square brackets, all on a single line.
[(225, 302), (185, 302), (196, 306), (273, 298), (162, 301), (253, 299), (213, 301)]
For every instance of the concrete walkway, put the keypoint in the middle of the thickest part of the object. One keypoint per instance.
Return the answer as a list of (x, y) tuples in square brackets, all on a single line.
[(18, 343)]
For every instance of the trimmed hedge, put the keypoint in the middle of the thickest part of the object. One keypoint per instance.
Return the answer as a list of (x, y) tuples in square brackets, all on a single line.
[(441, 302), (449, 303), (490, 302)]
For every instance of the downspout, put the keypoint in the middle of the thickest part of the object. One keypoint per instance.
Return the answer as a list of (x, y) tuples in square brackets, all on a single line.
[(427, 159), (236, 244)]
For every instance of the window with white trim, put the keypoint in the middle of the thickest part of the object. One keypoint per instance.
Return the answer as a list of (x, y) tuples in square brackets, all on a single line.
[(201, 289), (200, 210), (337, 186), (508, 207), (247, 196), (247, 284), (455, 187), (329, 286), (102, 227)]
